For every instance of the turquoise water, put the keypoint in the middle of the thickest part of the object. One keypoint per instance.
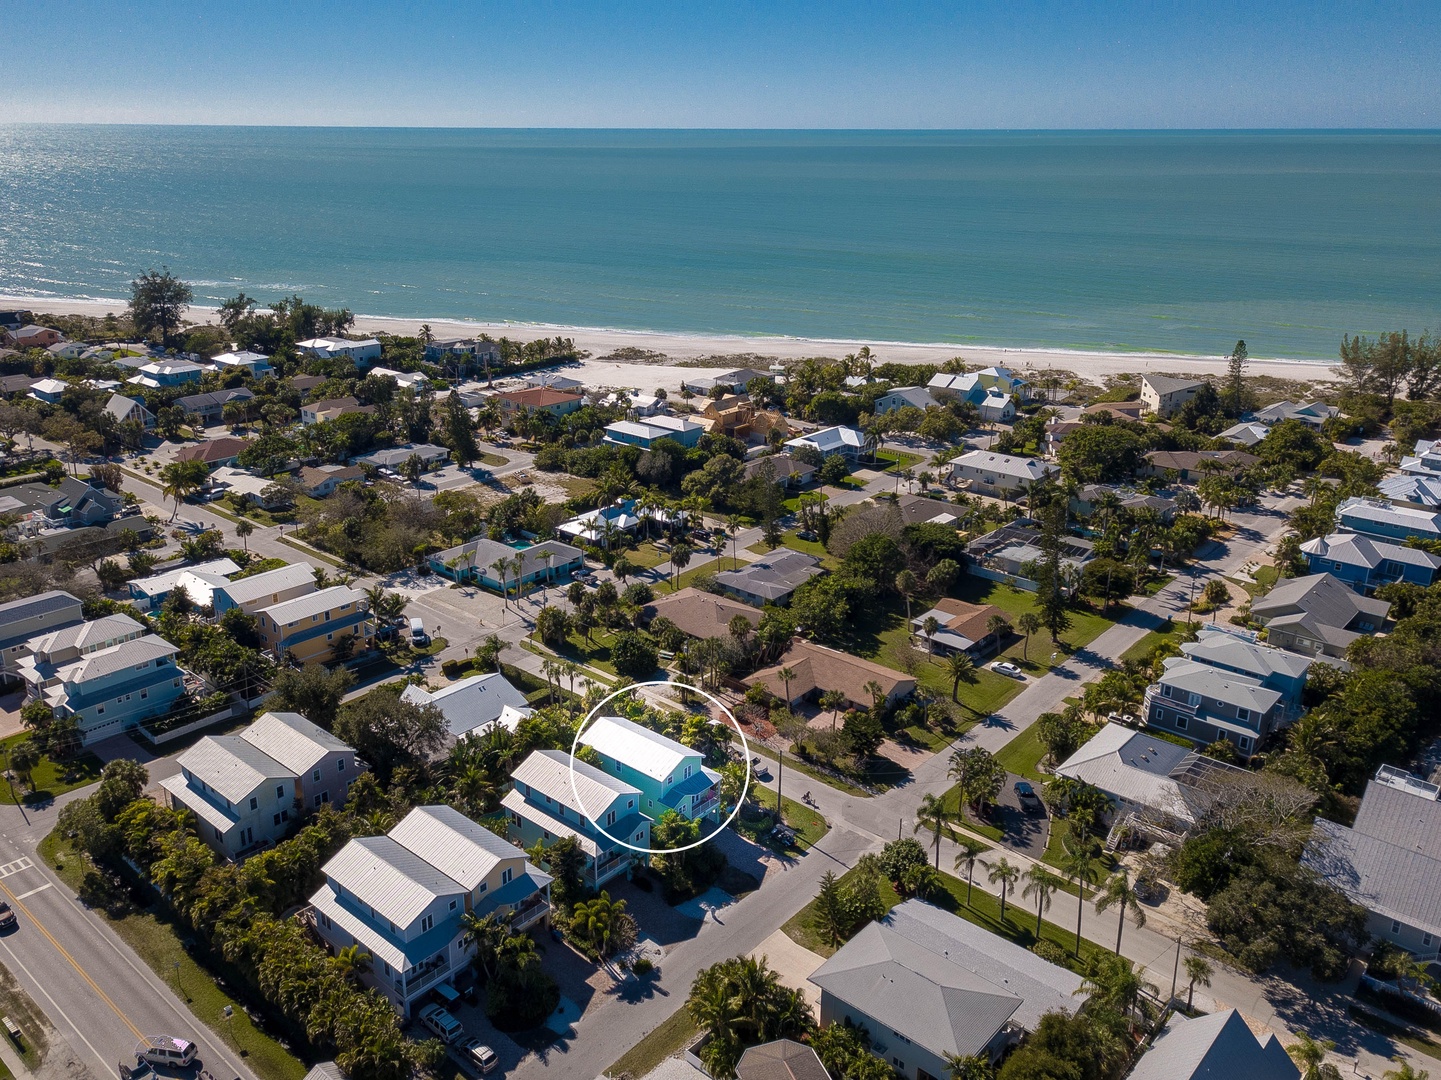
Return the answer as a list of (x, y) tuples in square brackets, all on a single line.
[(1159, 241)]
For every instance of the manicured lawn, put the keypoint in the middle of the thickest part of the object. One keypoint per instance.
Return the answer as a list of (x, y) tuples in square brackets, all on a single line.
[(667, 1039), (1023, 754), (899, 460), (808, 824), (49, 778), (984, 910), (647, 556), (156, 941), (1143, 648), (492, 459)]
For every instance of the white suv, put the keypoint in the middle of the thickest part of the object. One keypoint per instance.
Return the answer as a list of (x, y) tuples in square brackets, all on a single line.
[(445, 1026)]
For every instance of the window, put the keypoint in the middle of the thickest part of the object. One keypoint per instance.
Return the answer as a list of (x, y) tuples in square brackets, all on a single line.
[(317, 800), (285, 815), (649, 803), (453, 903), (1335, 566), (515, 818), (277, 820), (100, 710), (426, 923), (1425, 939), (144, 694), (506, 875), (255, 804), (1243, 714), (687, 772), (639, 836), (610, 818), (316, 774), (668, 779), (480, 889), (630, 804), (545, 834), (280, 791), (1395, 926), (340, 765), (1244, 742), (1181, 722)]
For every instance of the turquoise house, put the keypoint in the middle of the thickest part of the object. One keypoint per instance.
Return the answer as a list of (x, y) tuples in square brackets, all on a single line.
[(474, 561), (668, 775)]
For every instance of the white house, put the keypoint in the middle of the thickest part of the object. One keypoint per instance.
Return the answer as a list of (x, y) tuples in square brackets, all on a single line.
[(128, 410), (401, 896), (475, 705), (256, 364), (843, 440), (988, 472), (365, 351), (1164, 396)]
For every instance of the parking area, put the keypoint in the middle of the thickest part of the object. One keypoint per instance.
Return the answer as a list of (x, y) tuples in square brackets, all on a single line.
[(1023, 828)]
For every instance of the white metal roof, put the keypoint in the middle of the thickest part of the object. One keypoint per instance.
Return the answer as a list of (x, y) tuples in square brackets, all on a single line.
[(385, 875), (454, 845), (164, 582), (646, 751), (316, 603), (473, 704), (256, 586), (292, 740), (547, 772), (231, 766)]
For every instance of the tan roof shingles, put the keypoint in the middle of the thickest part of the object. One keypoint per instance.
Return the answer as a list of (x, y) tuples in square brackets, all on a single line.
[(819, 668), (700, 614), (969, 620)]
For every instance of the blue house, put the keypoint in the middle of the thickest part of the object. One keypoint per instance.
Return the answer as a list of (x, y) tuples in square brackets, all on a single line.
[(1365, 564), (474, 561), (109, 679), (1382, 520), (646, 433), (1236, 651)]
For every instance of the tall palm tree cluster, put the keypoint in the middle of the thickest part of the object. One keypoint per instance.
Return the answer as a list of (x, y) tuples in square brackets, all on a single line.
[(741, 1003)]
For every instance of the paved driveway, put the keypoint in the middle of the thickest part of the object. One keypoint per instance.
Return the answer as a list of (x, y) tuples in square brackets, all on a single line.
[(1021, 831)]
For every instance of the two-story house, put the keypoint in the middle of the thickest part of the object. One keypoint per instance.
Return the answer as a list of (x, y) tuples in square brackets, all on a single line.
[(997, 474), (1366, 564), (129, 410), (841, 440), (362, 352), (1317, 614), (1382, 520), (150, 592), (1389, 860), (309, 628), (246, 790), (21, 620), (540, 399), (543, 808), (256, 365), (108, 690), (161, 373), (646, 433), (327, 409), (1279, 670), (401, 898), (476, 560), (669, 775), (1205, 704), (72, 504), (1164, 396)]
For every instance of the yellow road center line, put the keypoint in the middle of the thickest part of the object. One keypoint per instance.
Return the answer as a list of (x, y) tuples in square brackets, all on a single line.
[(15, 900)]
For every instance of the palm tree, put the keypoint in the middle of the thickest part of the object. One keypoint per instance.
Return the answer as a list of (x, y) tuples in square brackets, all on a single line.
[(971, 849), (181, 480), (934, 815), (906, 586), (1007, 875), (733, 526), (1041, 884), (243, 529), (351, 962), (1028, 622), (1310, 1055), (1081, 863), (597, 920), (930, 628), (959, 665), (1114, 983), (785, 675), (969, 1067), (834, 701), (1119, 893), (1405, 1072), (1198, 970), (501, 566), (998, 626)]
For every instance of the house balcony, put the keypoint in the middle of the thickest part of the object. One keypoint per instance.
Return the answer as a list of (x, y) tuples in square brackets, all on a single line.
[(1154, 696), (422, 977), (531, 911), (705, 806), (611, 864)]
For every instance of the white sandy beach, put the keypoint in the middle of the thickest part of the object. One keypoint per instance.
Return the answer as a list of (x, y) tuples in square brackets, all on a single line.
[(729, 350)]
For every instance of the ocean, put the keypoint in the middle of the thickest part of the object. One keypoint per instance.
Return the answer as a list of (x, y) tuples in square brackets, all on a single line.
[(1112, 241)]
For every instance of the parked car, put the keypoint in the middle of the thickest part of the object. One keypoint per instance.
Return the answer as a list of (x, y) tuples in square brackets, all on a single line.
[(7, 918), (1004, 667), (808, 536), (478, 1056), (165, 1050), (418, 636), (445, 1027), (1027, 795)]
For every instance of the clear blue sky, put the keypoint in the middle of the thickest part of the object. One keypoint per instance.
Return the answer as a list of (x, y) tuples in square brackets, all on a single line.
[(547, 63)]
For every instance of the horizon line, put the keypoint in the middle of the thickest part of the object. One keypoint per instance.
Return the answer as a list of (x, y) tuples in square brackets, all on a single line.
[(724, 130)]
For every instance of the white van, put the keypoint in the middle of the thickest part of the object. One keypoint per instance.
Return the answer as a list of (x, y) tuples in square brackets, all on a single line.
[(418, 636), (445, 1026), (165, 1050)]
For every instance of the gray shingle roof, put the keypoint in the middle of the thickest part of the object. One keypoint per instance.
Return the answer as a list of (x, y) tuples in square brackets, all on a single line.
[(1164, 385), (941, 982), (1218, 684), (784, 1059), (1321, 595), (1357, 550), (1215, 1047), (773, 577), (1224, 649)]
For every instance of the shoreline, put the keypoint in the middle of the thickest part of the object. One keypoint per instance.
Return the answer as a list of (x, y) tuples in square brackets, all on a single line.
[(729, 350)]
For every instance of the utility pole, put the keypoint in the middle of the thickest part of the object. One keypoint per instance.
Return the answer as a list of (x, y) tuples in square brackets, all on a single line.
[(1176, 972), (780, 783), (1190, 607)]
